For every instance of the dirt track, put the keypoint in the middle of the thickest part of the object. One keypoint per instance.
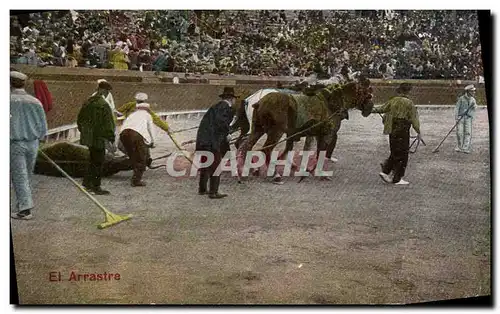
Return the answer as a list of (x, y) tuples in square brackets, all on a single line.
[(353, 240)]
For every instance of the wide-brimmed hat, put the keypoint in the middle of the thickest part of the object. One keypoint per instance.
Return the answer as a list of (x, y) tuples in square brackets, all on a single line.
[(228, 92), (404, 88), (470, 88)]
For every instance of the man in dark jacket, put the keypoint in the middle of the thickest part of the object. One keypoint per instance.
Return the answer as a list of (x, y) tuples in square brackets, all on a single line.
[(213, 137), (96, 125)]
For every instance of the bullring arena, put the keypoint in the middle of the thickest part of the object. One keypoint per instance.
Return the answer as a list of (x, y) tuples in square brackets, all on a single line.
[(350, 240)]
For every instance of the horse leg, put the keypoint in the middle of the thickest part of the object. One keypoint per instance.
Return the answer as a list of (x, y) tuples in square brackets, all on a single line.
[(244, 128), (243, 149), (308, 143), (331, 147), (333, 141), (322, 145), (241, 138), (273, 136), (284, 154)]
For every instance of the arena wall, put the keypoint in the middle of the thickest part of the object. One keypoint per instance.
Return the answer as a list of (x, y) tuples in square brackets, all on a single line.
[(70, 87)]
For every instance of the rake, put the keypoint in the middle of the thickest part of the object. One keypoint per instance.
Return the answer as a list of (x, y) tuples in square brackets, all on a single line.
[(451, 130), (111, 219)]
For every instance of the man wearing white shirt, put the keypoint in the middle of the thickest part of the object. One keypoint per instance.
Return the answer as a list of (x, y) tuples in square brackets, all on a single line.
[(137, 137)]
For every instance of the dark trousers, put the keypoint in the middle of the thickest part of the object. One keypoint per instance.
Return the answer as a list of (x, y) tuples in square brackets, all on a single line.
[(94, 171), (207, 173), (137, 151), (399, 141)]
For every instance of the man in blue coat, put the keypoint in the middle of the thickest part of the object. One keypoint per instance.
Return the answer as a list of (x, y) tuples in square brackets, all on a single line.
[(465, 111), (28, 126), (212, 137)]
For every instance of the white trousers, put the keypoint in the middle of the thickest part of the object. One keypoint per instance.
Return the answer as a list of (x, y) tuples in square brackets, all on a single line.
[(464, 134)]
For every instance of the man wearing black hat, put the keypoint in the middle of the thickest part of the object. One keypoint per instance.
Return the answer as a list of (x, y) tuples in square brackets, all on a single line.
[(399, 114), (96, 125), (213, 137)]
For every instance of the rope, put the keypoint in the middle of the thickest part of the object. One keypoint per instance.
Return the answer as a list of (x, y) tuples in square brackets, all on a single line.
[(183, 130), (178, 146), (416, 147), (300, 132), (163, 156)]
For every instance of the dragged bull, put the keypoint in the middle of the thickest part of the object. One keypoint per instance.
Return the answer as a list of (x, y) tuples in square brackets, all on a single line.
[(74, 159)]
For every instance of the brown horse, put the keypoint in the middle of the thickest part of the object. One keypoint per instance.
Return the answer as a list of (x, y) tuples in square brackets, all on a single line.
[(318, 115)]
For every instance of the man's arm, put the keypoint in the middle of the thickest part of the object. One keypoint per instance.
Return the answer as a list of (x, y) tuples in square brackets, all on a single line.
[(150, 131), (41, 122), (457, 107), (107, 123), (80, 119), (472, 108), (415, 122), (158, 121), (382, 109), (223, 119), (125, 109)]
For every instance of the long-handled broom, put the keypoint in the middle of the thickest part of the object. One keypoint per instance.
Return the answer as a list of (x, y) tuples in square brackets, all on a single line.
[(458, 121), (111, 219), (451, 130)]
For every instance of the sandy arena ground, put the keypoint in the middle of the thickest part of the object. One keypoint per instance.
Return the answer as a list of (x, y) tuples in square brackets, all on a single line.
[(353, 240)]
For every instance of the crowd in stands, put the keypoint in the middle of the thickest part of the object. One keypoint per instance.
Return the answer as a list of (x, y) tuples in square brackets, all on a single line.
[(382, 44)]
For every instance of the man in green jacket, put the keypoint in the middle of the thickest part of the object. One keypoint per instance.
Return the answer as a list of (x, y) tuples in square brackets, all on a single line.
[(96, 125), (399, 115)]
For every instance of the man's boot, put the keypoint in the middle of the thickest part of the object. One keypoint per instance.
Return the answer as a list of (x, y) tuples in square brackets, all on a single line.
[(214, 188)]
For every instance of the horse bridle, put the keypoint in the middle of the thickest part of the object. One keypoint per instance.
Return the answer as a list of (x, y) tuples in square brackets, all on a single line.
[(360, 97), (363, 94)]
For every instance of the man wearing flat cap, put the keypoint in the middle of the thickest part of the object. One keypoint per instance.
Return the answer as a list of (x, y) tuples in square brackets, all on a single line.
[(28, 126), (97, 127), (130, 107), (137, 137), (399, 115), (212, 137), (465, 111)]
